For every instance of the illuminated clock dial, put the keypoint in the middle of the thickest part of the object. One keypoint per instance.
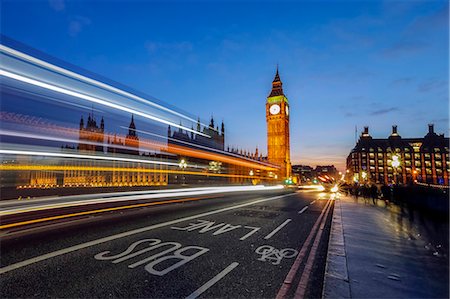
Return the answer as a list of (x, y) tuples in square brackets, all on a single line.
[(287, 110), (274, 109)]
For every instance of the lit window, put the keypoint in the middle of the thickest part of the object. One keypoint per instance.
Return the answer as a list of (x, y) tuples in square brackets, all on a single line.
[(427, 156), (371, 155), (438, 164), (380, 156), (380, 168), (437, 156), (407, 156), (427, 164), (436, 149), (417, 163)]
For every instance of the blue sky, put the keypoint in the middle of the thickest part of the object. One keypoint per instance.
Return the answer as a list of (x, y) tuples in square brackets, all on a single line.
[(343, 63)]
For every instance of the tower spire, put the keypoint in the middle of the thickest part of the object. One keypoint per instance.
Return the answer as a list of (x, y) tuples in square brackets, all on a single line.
[(277, 85)]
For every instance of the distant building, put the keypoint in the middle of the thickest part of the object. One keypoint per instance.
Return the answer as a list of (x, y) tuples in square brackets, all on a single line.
[(304, 173), (92, 136), (191, 139), (423, 160), (328, 170)]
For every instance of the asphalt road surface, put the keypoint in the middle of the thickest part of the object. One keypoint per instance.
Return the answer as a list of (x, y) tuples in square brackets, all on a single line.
[(242, 245)]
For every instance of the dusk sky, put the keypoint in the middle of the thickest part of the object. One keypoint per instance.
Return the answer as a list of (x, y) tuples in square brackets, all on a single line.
[(343, 64)]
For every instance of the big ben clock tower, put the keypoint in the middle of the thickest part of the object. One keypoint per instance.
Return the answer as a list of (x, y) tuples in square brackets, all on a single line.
[(277, 117)]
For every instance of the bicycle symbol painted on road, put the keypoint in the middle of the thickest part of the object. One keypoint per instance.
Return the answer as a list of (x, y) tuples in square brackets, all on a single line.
[(269, 253)]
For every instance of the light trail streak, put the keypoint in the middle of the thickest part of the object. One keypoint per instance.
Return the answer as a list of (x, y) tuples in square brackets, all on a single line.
[(149, 145), (92, 157), (214, 190), (93, 100), (200, 146), (12, 167), (41, 63)]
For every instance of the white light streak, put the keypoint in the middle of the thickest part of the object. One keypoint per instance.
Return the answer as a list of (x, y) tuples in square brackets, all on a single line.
[(156, 194), (63, 71), (67, 155), (93, 100)]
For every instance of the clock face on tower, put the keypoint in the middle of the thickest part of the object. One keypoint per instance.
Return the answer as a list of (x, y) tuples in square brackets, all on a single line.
[(274, 109)]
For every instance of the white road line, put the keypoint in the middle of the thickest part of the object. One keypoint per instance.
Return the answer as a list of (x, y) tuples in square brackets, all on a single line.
[(312, 202), (277, 229), (302, 210), (126, 234), (212, 281)]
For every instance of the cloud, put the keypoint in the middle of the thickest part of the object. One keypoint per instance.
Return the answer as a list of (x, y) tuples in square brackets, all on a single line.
[(57, 5), (404, 48), (183, 46), (440, 120), (401, 81), (437, 20), (77, 24), (384, 111), (432, 85)]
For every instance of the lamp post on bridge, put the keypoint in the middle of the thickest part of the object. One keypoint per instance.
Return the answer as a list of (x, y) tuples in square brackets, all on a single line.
[(183, 165), (395, 164)]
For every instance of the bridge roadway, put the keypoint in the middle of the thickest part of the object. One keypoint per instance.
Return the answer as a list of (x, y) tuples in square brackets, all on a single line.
[(236, 245)]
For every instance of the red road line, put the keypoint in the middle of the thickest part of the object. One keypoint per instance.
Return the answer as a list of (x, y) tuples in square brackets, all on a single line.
[(291, 274), (301, 288)]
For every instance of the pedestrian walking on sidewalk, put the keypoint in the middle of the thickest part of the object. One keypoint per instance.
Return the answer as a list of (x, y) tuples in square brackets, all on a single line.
[(374, 193)]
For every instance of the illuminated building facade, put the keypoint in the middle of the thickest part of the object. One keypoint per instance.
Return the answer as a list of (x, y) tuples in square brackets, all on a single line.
[(277, 118), (400, 160), (94, 173)]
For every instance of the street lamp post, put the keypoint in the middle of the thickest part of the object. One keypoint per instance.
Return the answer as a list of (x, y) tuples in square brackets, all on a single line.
[(395, 164), (183, 165)]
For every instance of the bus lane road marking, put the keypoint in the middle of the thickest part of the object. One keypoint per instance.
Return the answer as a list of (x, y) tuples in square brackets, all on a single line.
[(204, 226), (63, 251)]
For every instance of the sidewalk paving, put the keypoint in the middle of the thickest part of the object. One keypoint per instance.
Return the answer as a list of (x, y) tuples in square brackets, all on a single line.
[(372, 254)]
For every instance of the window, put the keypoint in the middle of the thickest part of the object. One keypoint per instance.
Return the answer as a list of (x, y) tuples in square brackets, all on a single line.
[(428, 171), (372, 162), (371, 149), (408, 170), (408, 163), (438, 164), (380, 169), (439, 171), (380, 162), (407, 156), (416, 156), (427, 164), (380, 156), (371, 155), (427, 156), (436, 149), (417, 164), (407, 149), (437, 156)]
